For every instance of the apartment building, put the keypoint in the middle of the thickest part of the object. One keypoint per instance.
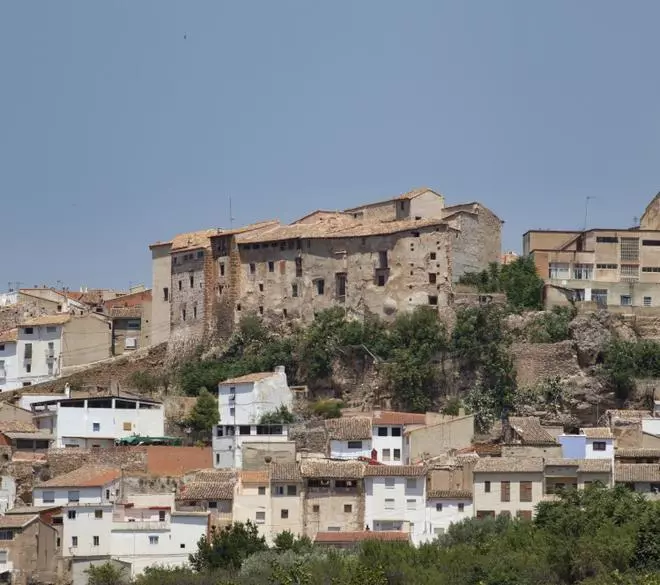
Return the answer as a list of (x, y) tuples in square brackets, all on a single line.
[(444, 508), (609, 267), (395, 498), (286, 490), (350, 437), (252, 501), (590, 443), (9, 364), (247, 446), (381, 258), (209, 491), (98, 421)]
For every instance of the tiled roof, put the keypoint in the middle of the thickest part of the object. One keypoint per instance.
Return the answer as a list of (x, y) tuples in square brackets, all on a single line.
[(31, 509), (59, 319), (323, 215), (17, 520), (509, 464), (252, 227), (597, 433), (415, 193), (9, 336), (342, 537), (354, 428), (254, 476), (637, 472), (394, 470), (391, 417), (192, 240), (338, 228), (17, 426), (248, 378), (482, 449), (204, 490), (530, 431), (583, 465), (87, 476), (628, 415), (285, 472), (637, 453), (215, 475), (321, 468), (453, 494), (125, 312)]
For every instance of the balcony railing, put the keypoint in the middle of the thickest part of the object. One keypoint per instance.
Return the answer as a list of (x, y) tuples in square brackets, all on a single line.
[(140, 525)]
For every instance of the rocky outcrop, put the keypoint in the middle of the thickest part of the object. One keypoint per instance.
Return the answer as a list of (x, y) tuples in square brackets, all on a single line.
[(536, 362), (592, 332)]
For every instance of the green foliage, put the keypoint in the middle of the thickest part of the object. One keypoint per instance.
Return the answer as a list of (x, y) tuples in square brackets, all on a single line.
[(280, 416), (145, 382), (519, 280), (453, 406), (552, 326), (106, 574), (227, 548), (288, 541), (327, 408), (623, 361), (204, 415)]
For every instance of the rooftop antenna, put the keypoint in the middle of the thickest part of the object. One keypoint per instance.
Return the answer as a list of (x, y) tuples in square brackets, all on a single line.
[(586, 210), (231, 216)]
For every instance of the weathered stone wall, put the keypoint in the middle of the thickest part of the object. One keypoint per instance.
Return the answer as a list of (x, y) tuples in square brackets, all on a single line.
[(255, 454), (145, 484), (188, 293), (12, 315), (61, 461), (536, 362), (412, 257)]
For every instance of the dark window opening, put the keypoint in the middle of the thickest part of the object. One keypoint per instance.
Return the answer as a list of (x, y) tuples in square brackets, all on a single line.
[(261, 310), (433, 300), (320, 286), (432, 278), (340, 283), (299, 270), (382, 259), (271, 266), (261, 287), (222, 269), (433, 256), (253, 267), (650, 242), (607, 239), (294, 290), (166, 294)]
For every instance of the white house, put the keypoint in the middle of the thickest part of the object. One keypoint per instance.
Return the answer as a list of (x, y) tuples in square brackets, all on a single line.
[(592, 443), (244, 400), (350, 437), (39, 348), (388, 434), (395, 498), (229, 442), (86, 496), (100, 420), (9, 373), (444, 508)]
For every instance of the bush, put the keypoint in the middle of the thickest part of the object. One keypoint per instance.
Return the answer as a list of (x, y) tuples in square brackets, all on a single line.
[(551, 327), (327, 408)]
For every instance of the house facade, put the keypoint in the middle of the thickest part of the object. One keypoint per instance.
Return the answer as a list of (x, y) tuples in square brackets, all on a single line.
[(446, 507), (349, 437), (238, 446), (590, 443), (9, 364)]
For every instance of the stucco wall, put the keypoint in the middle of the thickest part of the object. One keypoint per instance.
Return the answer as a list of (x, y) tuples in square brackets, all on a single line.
[(161, 279), (455, 433), (85, 339), (492, 501)]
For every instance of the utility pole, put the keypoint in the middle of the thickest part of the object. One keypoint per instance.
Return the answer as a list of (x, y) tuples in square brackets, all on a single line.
[(586, 210), (231, 215)]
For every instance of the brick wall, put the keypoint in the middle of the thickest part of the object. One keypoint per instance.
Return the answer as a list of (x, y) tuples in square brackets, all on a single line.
[(177, 461)]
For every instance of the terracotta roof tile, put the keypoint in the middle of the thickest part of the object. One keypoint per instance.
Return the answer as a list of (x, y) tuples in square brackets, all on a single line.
[(248, 378), (346, 537), (583, 465), (628, 415), (391, 417), (125, 312), (509, 464), (9, 336), (322, 468), (636, 472), (285, 472), (597, 433), (638, 453), (354, 428), (394, 470), (193, 240), (449, 494), (204, 490), (530, 431), (215, 475), (253, 476), (87, 476), (17, 520), (323, 215), (58, 319), (17, 426)]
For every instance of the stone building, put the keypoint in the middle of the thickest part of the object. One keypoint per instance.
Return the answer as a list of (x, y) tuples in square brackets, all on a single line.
[(382, 258), (614, 268)]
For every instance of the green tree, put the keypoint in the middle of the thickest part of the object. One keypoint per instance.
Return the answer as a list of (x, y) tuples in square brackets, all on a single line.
[(288, 541), (204, 415), (227, 548), (106, 574), (279, 416)]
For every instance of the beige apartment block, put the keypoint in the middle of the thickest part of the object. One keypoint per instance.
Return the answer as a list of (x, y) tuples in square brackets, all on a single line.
[(252, 501), (383, 258), (286, 490), (161, 266), (608, 267), (333, 500), (437, 437)]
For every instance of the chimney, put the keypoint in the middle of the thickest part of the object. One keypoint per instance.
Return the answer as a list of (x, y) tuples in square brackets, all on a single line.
[(67, 390), (461, 411), (280, 369)]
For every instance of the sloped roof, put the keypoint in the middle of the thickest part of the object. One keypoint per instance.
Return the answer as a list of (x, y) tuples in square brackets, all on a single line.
[(87, 476), (248, 378), (509, 465), (530, 431), (285, 472), (597, 433), (58, 319), (328, 468), (344, 537), (9, 336), (193, 240), (449, 494), (394, 470), (354, 428), (637, 452), (254, 476), (637, 472), (583, 465), (205, 490), (17, 426), (404, 196), (392, 417), (17, 520)]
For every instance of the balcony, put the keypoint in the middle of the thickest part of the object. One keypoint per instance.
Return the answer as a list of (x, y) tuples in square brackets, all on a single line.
[(49, 354), (140, 525)]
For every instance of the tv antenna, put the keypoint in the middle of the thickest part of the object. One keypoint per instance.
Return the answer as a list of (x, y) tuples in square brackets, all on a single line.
[(586, 210)]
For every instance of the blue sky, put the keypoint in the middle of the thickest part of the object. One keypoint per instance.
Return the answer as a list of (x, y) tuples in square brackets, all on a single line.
[(116, 131)]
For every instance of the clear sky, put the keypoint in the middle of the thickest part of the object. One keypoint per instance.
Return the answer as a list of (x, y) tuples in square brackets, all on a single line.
[(126, 122)]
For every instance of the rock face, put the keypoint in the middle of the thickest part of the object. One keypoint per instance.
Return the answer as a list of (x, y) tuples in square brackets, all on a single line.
[(536, 362), (592, 332)]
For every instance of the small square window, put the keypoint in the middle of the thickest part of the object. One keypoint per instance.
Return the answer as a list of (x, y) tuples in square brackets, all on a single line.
[(389, 482), (48, 497), (320, 286), (153, 540), (284, 514), (262, 490), (355, 444), (162, 515), (433, 255), (316, 508), (96, 427), (387, 454), (432, 277), (382, 431), (600, 446), (348, 508), (74, 496), (438, 507), (28, 330), (461, 507), (232, 411), (98, 514), (626, 300), (260, 517), (271, 266), (291, 490), (71, 515), (396, 431), (389, 504), (182, 545), (51, 329), (397, 455), (433, 300), (487, 487), (411, 483), (74, 541), (96, 541), (648, 301)]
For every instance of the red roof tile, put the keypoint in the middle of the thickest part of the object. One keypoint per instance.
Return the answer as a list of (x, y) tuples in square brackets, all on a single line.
[(391, 417)]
